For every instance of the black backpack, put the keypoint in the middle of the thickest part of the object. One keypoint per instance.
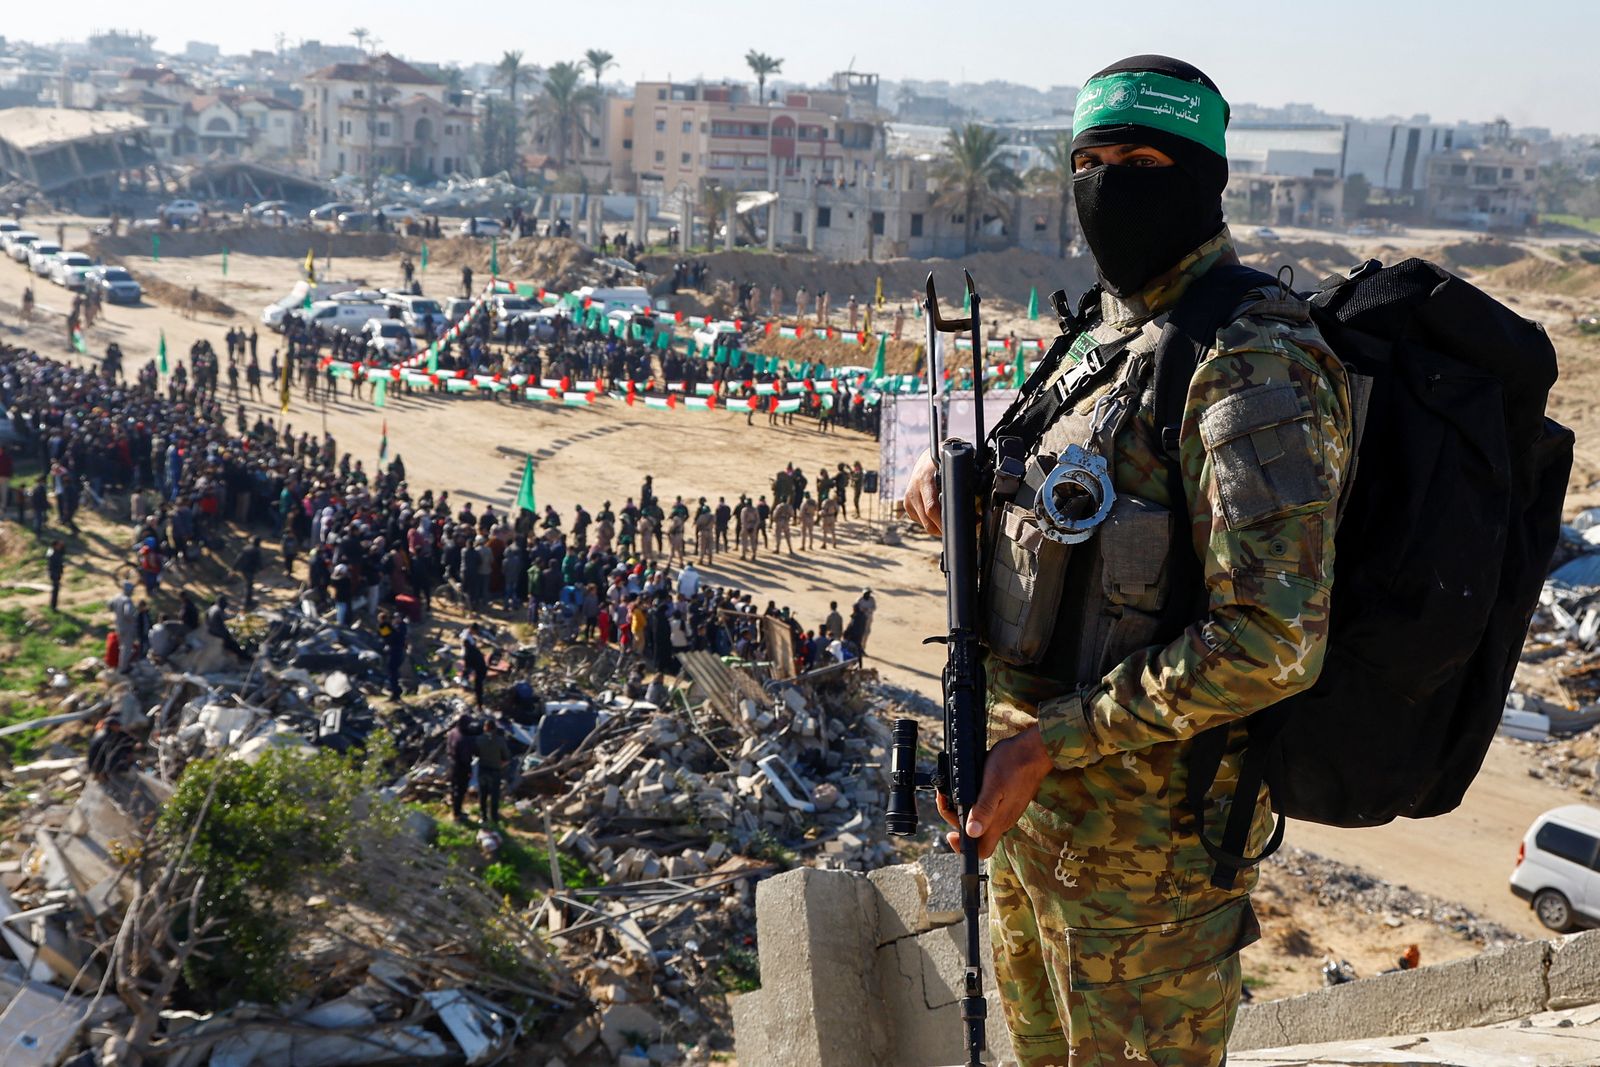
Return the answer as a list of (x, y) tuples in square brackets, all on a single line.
[(1442, 548)]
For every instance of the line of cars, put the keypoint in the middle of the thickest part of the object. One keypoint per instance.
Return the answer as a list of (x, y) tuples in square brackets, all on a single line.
[(354, 218), (74, 271)]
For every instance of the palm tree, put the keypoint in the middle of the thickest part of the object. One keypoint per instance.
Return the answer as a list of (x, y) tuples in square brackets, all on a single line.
[(564, 103), (761, 65), (512, 72), (361, 33), (1054, 178), (598, 59), (973, 177)]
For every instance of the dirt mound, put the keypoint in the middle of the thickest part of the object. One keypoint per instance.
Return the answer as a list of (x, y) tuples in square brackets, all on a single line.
[(1007, 275), (899, 357), (1573, 277), (1311, 261), (553, 262), (1467, 255), (254, 241), (177, 296)]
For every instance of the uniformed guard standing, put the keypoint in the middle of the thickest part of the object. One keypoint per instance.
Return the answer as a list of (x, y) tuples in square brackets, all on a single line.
[(829, 514), (1112, 944), (704, 535), (782, 516), (675, 551), (749, 529), (644, 533), (808, 522)]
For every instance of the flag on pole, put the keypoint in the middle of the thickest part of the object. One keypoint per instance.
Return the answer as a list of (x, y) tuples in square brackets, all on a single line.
[(224, 261), (424, 255), (878, 364), (311, 265), (525, 494), (1020, 372), (1033, 302), (284, 376), (155, 247), (878, 300), (494, 257), (380, 392), (383, 442), (161, 350)]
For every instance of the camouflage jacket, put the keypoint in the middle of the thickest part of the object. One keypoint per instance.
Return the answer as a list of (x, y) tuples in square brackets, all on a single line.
[(1120, 742)]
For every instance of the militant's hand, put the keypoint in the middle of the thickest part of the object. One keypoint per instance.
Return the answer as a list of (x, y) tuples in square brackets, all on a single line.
[(1011, 776), (922, 494)]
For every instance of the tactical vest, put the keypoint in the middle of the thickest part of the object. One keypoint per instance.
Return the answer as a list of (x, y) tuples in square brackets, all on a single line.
[(1078, 607)]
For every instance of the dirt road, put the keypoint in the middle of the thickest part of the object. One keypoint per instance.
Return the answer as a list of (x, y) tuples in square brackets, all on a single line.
[(475, 447)]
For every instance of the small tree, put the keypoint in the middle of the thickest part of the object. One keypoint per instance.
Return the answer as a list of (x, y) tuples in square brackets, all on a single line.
[(762, 65), (597, 60)]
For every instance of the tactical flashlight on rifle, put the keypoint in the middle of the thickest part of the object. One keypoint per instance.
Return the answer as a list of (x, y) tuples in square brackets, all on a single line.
[(959, 774)]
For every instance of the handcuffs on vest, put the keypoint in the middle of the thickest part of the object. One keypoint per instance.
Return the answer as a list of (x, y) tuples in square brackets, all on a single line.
[(1077, 494)]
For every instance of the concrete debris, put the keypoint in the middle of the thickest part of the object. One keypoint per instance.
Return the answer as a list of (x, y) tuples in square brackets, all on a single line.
[(661, 818)]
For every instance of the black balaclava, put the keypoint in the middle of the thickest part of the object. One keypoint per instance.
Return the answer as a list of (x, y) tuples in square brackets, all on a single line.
[(1140, 221)]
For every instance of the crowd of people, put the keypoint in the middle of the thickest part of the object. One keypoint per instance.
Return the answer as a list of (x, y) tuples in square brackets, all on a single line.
[(365, 548)]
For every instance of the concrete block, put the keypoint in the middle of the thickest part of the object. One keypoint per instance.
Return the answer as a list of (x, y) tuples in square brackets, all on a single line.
[(1492, 987), (623, 1024), (581, 1036), (818, 936), (942, 870), (1574, 975), (902, 901), (752, 1016)]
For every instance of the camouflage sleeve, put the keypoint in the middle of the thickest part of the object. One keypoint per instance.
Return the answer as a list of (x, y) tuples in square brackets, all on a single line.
[(1264, 447)]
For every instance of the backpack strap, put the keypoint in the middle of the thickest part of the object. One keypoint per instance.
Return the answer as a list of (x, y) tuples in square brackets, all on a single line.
[(1210, 303)]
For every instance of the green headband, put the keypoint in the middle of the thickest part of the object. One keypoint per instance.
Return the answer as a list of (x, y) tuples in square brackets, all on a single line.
[(1158, 101)]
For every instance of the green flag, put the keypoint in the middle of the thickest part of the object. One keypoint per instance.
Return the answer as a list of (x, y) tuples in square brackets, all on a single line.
[(161, 350), (78, 342), (224, 261), (424, 255), (155, 246), (494, 257), (525, 494), (1020, 372), (433, 358), (1033, 302), (966, 301), (878, 363), (380, 391)]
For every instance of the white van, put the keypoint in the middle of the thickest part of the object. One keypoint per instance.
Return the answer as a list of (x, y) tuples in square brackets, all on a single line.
[(1558, 867), (416, 310), (272, 314), (346, 313), (627, 297)]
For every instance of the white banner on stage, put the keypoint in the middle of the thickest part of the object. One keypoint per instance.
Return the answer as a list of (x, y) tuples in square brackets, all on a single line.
[(904, 433)]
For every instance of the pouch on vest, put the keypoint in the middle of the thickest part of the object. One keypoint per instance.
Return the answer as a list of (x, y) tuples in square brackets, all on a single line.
[(1023, 592)]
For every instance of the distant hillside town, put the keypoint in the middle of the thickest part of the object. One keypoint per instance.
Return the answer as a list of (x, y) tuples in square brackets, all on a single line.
[(855, 168)]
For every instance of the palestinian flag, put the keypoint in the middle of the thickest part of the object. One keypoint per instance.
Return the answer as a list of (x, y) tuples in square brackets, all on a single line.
[(161, 350), (78, 343)]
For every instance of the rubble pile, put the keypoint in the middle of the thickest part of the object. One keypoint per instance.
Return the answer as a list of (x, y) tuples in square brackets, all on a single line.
[(657, 820), (1331, 882), (1557, 688)]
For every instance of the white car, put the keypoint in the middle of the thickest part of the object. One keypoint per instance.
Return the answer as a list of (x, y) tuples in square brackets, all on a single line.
[(116, 285), (264, 207), (417, 312), (480, 227), (71, 269), (40, 253), (544, 321), (17, 244), (8, 226), (180, 210), (1266, 233), (388, 338), (399, 214), (708, 335), (1558, 867)]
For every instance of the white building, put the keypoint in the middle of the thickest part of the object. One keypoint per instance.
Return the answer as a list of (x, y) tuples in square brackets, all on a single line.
[(383, 115)]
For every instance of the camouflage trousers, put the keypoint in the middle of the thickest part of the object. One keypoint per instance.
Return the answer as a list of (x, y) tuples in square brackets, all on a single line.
[(1099, 967)]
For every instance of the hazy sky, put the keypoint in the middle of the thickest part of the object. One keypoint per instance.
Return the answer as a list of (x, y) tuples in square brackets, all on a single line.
[(1533, 61)]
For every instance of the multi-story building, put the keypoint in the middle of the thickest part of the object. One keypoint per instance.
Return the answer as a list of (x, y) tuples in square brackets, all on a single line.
[(1489, 188), (688, 135), (187, 122), (382, 115)]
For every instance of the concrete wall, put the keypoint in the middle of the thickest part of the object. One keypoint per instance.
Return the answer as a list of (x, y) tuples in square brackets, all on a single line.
[(1508, 983), (862, 969), (865, 969)]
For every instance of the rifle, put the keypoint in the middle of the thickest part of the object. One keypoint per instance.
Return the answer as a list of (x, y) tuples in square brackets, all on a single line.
[(959, 773)]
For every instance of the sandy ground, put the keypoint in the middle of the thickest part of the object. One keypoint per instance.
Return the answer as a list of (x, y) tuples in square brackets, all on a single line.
[(475, 447)]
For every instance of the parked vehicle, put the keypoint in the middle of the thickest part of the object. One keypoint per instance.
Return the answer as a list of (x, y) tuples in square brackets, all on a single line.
[(180, 210), (116, 285), (17, 244), (626, 296), (70, 269), (350, 314), (1266, 233), (330, 211), (272, 314), (1558, 867), (355, 221), (264, 207), (399, 214), (388, 339), (476, 227), (709, 334), (417, 311), (40, 253)]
